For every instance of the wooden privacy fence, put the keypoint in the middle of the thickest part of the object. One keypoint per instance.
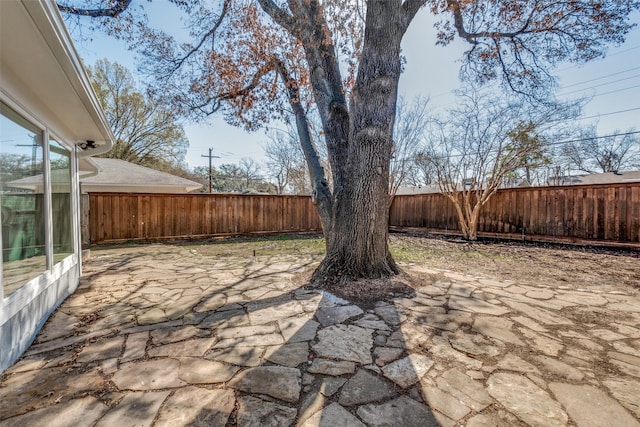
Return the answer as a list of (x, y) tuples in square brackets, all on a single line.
[(609, 212), (130, 216), (606, 212)]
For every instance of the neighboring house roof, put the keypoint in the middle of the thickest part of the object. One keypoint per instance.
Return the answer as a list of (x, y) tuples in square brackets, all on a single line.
[(422, 189), (599, 178), (121, 176), (42, 73), (111, 175), (60, 182)]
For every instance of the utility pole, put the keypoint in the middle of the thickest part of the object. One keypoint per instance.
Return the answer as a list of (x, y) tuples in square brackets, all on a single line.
[(211, 157)]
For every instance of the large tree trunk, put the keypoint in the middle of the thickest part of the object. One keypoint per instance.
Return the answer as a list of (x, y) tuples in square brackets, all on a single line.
[(357, 237), (355, 212)]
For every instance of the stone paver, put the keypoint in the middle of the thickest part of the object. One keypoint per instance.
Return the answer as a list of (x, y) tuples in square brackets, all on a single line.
[(402, 411), (332, 416), (136, 345), (409, 370), (330, 367), (212, 409), (276, 381), (332, 315), (105, 349), (312, 403), (365, 387), (476, 306), (626, 391), (253, 412), (469, 392), (290, 355), (159, 340), (345, 342), (135, 409), (559, 368), (526, 400), (149, 375), (194, 348), (80, 412), (496, 327), (194, 370), (298, 329), (589, 406)]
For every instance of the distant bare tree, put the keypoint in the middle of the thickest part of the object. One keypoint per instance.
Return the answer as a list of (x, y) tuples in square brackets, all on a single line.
[(233, 178), (593, 154), (280, 155), (422, 172), (480, 144), (250, 171), (286, 164), (408, 134)]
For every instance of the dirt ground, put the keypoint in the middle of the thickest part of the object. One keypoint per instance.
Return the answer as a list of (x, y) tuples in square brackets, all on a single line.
[(526, 263), (553, 265)]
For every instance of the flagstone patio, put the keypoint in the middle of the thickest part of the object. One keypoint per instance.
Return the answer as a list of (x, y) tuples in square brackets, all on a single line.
[(162, 335)]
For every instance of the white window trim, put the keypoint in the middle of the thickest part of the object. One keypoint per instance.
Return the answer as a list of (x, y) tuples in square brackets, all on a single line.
[(16, 301)]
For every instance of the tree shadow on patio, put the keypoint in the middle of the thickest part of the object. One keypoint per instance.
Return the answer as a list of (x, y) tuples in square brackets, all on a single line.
[(249, 350)]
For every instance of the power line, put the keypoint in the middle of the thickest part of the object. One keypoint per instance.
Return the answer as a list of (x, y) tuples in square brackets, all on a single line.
[(620, 52), (599, 85), (595, 115), (603, 93), (573, 84), (594, 137), (554, 143), (602, 59), (617, 90), (602, 77), (604, 114)]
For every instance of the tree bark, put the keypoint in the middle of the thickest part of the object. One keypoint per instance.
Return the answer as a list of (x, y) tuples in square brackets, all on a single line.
[(359, 135), (468, 211), (357, 237)]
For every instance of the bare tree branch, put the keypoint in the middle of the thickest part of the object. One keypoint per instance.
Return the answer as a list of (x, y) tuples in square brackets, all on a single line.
[(111, 12), (410, 8), (279, 15), (321, 194), (180, 61)]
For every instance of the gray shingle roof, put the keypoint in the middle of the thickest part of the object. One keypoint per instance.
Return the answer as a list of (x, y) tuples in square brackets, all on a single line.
[(120, 172), (114, 175), (602, 178)]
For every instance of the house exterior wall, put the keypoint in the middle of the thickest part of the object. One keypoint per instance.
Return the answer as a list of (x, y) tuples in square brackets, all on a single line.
[(40, 236), (24, 313), (48, 106)]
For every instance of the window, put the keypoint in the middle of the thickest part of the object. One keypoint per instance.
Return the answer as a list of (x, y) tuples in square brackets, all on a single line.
[(60, 160), (23, 212)]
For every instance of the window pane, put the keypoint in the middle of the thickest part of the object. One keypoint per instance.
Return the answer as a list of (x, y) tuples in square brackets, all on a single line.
[(21, 200), (61, 201)]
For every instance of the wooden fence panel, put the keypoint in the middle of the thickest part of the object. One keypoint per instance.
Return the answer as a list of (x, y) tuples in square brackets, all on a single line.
[(133, 216), (606, 212)]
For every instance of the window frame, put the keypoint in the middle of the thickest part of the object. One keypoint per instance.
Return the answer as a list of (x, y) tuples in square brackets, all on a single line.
[(13, 302)]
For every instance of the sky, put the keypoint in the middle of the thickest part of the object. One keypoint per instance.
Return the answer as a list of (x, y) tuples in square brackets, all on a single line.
[(430, 71)]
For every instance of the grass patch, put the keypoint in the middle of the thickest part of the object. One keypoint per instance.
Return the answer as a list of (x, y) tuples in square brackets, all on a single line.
[(305, 245)]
